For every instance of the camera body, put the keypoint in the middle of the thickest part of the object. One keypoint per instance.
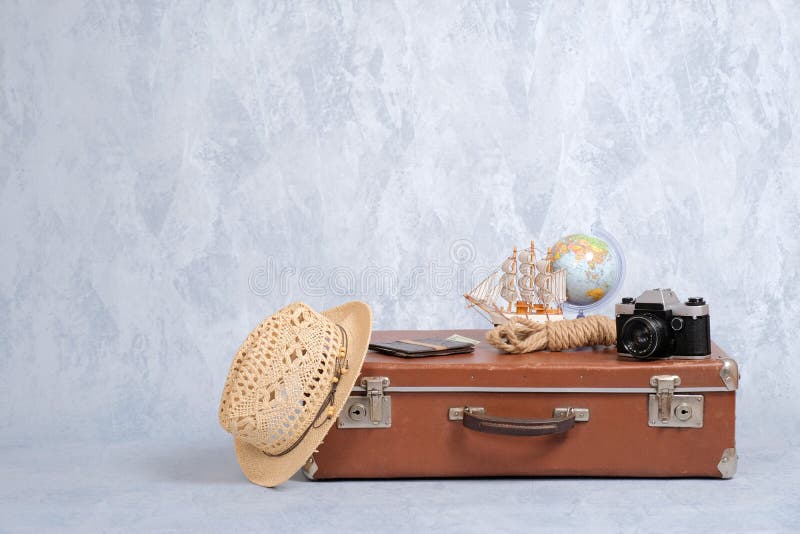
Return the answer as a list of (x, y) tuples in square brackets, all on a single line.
[(658, 325)]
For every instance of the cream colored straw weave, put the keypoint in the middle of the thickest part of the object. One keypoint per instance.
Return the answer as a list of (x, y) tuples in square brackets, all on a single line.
[(287, 384), (280, 378)]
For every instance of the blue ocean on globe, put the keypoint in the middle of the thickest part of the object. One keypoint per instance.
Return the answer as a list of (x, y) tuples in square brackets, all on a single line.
[(592, 268)]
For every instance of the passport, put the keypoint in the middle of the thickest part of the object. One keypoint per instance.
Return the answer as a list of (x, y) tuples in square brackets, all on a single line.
[(419, 348)]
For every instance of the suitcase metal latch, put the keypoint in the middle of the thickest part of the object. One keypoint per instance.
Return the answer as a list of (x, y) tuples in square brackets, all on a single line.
[(666, 409), (372, 410)]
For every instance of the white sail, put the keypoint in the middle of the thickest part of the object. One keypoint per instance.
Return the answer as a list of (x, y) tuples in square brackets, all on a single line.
[(508, 282), (527, 295), (544, 285), (508, 294), (527, 256), (543, 281), (552, 287), (543, 266), (509, 266), (527, 272), (487, 290), (526, 288), (560, 286), (526, 282), (527, 269)]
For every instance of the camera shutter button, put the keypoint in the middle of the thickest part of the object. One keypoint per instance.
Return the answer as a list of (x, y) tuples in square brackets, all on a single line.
[(676, 323)]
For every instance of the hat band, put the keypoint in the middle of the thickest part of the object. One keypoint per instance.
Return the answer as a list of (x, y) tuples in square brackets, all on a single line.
[(329, 399)]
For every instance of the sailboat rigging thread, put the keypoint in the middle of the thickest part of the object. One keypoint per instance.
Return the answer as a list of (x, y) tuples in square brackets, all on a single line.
[(525, 335)]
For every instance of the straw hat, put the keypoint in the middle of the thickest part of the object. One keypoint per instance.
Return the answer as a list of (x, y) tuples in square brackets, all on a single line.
[(288, 383)]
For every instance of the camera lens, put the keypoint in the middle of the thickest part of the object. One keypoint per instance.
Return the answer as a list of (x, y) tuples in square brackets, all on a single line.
[(643, 335)]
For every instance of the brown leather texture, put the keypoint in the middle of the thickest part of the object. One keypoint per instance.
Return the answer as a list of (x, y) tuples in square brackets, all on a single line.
[(616, 441)]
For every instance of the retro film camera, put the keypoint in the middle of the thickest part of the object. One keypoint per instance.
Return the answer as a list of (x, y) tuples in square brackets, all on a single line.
[(658, 325)]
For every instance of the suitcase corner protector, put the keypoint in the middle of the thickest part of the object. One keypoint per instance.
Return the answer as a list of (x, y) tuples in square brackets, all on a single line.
[(310, 468), (728, 463), (730, 374)]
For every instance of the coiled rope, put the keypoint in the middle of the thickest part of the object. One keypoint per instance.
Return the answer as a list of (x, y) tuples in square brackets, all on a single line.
[(525, 335)]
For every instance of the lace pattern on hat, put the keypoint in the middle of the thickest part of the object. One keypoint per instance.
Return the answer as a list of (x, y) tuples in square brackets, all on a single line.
[(281, 378)]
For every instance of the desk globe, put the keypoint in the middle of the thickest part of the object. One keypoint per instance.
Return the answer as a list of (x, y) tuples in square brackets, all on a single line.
[(595, 268)]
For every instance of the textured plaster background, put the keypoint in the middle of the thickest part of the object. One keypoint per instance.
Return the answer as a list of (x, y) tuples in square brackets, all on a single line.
[(172, 172)]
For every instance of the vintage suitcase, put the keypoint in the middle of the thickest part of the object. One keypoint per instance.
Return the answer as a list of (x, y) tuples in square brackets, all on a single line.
[(575, 413)]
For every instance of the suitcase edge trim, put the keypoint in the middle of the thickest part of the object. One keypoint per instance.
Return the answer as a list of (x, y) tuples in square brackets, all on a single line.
[(492, 389)]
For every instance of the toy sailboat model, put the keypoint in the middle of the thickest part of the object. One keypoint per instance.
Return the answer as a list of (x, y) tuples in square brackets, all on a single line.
[(530, 287)]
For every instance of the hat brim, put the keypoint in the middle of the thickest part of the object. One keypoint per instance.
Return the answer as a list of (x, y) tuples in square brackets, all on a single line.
[(356, 319)]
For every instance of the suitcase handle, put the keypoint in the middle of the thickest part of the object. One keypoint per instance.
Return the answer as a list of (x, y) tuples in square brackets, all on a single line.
[(518, 427)]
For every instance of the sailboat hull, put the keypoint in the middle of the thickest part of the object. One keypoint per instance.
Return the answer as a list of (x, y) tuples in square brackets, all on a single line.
[(505, 317)]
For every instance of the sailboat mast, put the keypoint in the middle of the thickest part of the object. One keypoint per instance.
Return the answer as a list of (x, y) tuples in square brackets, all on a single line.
[(533, 268), (554, 289), (531, 276), (513, 270)]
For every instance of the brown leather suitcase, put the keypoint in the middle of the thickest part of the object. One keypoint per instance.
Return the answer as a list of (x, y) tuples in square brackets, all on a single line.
[(575, 413)]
